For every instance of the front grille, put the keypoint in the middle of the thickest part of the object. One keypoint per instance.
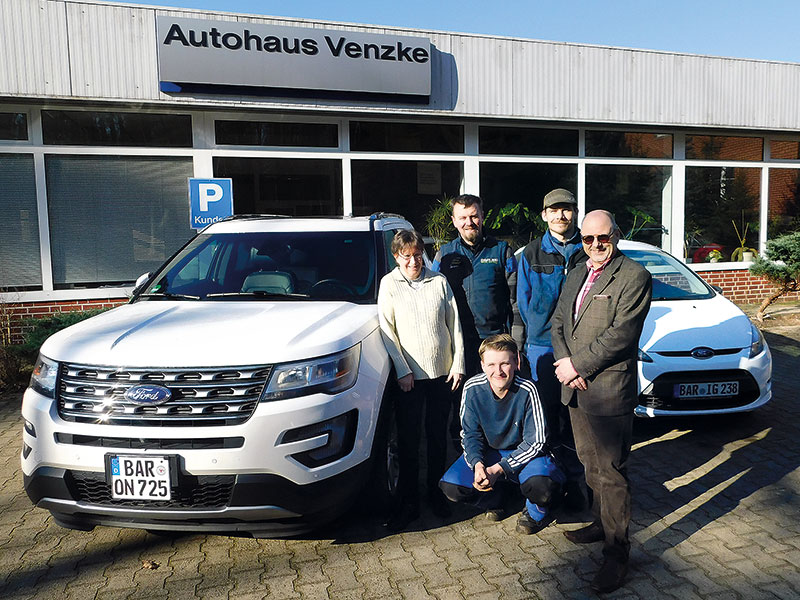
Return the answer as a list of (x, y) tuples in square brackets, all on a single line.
[(200, 397), (150, 444), (661, 394), (202, 491)]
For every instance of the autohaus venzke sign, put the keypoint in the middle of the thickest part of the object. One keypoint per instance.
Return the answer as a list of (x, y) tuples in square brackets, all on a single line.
[(232, 53)]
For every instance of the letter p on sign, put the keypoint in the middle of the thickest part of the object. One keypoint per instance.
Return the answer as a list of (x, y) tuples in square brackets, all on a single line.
[(210, 200)]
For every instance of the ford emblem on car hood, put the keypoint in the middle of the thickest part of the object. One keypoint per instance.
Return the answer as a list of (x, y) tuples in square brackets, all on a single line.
[(148, 394), (702, 352)]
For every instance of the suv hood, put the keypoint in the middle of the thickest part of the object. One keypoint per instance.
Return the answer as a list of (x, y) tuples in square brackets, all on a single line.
[(675, 325), (210, 334)]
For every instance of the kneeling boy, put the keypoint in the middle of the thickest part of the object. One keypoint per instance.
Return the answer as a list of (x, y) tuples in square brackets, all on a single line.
[(504, 436)]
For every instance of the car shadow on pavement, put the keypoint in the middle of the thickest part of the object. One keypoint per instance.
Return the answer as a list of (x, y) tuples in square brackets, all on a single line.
[(688, 473)]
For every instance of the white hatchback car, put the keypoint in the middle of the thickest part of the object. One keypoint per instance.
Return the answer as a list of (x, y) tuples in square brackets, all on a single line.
[(699, 354)]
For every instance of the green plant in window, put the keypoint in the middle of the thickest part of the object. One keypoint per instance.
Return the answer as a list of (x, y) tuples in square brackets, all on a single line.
[(521, 220), (640, 220), (439, 223), (738, 254), (714, 256)]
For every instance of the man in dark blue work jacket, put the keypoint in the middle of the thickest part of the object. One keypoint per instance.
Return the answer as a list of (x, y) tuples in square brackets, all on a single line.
[(481, 271), (543, 266)]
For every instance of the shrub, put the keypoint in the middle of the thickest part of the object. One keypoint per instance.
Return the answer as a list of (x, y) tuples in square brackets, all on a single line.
[(781, 267)]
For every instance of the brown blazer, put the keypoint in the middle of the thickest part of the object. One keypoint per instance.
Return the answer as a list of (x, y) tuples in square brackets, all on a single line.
[(604, 338)]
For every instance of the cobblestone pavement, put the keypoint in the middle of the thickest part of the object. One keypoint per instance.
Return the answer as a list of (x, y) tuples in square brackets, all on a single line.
[(716, 515)]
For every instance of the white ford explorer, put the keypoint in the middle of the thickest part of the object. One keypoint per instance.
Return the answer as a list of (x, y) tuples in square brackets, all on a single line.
[(240, 390)]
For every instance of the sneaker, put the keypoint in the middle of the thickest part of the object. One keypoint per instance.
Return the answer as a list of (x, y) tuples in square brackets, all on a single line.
[(495, 514), (526, 524)]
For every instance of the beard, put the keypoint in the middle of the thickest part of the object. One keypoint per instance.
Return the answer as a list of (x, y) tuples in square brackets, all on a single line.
[(471, 235)]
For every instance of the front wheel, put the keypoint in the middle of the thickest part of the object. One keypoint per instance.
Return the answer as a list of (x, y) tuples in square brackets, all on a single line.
[(382, 487)]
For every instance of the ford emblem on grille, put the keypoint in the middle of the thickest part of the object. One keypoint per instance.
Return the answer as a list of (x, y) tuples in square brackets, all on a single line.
[(148, 394), (702, 352)]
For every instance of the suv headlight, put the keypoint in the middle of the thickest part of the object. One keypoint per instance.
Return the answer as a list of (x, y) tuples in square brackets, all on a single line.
[(43, 378), (756, 341), (328, 374)]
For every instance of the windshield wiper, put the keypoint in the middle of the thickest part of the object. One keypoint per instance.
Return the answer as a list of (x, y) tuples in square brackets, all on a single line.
[(170, 296), (255, 294)]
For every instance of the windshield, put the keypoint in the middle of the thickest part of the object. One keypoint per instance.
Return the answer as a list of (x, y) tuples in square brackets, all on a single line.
[(274, 265), (672, 280)]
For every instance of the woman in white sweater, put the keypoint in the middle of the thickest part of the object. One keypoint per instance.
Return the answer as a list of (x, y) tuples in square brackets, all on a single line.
[(422, 334)]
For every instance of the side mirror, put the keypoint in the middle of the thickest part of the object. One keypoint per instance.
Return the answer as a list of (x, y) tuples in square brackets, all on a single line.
[(717, 289), (140, 282)]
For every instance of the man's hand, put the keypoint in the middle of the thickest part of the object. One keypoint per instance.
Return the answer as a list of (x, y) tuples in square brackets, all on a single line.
[(456, 378), (579, 383), (406, 382), (565, 370), (485, 478)]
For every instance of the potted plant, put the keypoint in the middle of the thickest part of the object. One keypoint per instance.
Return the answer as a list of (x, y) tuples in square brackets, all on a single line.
[(714, 256), (743, 252)]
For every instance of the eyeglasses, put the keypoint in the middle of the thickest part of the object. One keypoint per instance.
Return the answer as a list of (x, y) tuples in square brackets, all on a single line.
[(409, 257), (601, 239)]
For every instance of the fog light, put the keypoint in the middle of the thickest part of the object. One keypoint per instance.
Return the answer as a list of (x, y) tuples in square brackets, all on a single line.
[(341, 432), (29, 428)]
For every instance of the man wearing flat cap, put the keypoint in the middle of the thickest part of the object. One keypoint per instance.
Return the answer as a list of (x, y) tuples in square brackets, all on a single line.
[(542, 269)]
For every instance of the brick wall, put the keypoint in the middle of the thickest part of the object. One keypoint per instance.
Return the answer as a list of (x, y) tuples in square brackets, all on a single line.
[(741, 287), (16, 313)]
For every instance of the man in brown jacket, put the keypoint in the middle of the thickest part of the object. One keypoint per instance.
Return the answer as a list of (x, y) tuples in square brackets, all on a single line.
[(595, 335)]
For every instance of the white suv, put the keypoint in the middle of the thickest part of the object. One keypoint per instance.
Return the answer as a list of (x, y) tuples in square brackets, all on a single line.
[(241, 388)]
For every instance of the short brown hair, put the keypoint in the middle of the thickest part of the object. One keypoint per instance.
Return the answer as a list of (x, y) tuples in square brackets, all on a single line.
[(467, 200), (502, 342), (406, 238)]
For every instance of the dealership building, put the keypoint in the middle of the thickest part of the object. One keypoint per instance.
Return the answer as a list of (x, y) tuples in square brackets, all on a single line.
[(107, 110)]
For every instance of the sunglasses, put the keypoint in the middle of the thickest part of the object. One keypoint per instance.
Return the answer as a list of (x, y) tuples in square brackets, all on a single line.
[(601, 239)]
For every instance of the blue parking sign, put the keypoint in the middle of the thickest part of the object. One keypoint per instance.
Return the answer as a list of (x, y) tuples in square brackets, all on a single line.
[(210, 200)]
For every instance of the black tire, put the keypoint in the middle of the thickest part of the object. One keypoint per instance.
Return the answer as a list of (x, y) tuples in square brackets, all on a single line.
[(381, 491)]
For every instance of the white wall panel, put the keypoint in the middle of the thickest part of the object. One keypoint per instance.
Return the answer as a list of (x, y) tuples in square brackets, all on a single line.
[(34, 60), (111, 54)]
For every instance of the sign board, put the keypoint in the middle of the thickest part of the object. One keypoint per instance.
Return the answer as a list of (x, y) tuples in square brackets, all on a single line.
[(231, 53), (210, 200)]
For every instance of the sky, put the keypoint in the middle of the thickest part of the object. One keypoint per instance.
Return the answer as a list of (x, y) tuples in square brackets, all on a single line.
[(759, 29)]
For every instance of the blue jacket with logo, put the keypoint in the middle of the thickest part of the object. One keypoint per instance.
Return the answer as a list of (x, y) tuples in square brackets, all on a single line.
[(540, 276), (483, 280)]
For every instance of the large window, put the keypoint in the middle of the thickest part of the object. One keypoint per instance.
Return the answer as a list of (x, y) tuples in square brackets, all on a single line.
[(374, 136), (283, 186), (528, 141), (722, 212), (20, 262), (13, 126), (86, 128), (724, 147), (639, 197), (252, 133), (504, 184), (628, 144), (784, 202), (113, 218), (408, 188)]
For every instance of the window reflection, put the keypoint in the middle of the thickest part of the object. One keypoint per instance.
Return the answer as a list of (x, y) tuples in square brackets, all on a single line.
[(784, 149), (528, 141), (638, 196), (784, 202), (722, 208), (628, 144), (724, 147)]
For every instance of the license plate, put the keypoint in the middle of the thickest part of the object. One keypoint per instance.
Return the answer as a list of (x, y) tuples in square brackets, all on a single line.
[(140, 477), (703, 390)]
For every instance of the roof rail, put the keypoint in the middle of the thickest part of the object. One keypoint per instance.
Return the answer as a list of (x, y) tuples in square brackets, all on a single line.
[(384, 215), (254, 216)]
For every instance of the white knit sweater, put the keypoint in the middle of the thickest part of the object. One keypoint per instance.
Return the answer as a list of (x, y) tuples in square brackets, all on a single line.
[(420, 327)]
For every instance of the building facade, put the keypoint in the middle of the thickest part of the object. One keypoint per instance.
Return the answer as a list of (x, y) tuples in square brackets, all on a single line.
[(106, 111)]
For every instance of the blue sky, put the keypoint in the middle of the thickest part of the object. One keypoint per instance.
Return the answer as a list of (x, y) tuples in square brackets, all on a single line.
[(761, 29)]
